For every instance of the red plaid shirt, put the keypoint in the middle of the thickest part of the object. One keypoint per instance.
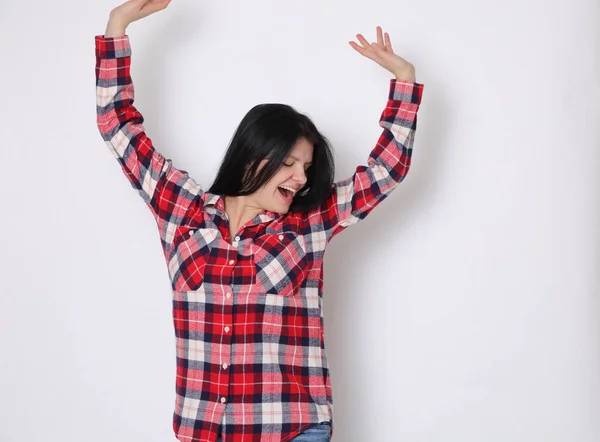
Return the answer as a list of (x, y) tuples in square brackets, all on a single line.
[(247, 311)]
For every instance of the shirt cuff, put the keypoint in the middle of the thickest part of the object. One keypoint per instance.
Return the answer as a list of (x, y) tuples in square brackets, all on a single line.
[(406, 91), (112, 47)]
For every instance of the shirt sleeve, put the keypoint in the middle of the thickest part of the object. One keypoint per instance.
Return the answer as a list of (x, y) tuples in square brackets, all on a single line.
[(167, 191), (352, 199)]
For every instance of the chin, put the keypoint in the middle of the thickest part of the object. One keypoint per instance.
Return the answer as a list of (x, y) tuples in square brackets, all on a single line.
[(279, 207), (281, 211)]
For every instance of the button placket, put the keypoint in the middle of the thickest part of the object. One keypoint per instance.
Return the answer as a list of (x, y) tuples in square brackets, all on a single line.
[(227, 335), (236, 241)]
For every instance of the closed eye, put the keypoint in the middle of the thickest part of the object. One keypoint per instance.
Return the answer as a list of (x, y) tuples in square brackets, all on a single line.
[(290, 165)]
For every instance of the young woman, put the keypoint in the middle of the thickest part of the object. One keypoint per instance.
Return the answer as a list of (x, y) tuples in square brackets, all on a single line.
[(245, 257)]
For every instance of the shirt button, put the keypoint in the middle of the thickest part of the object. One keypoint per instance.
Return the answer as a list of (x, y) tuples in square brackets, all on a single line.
[(228, 295), (225, 366), (231, 262), (280, 236), (222, 400), (237, 238), (227, 329), (191, 232)]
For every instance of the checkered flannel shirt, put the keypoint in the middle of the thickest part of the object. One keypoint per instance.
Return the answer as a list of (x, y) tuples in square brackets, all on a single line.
[(247, 310)]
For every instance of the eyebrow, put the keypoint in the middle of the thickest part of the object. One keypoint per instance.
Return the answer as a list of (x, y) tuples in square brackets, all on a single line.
[(298, 159)]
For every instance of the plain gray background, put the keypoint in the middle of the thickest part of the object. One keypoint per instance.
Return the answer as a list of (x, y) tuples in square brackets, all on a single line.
[(463, 309)]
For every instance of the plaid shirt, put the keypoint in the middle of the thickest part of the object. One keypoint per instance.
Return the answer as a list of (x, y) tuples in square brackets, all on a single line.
[(247, 310)]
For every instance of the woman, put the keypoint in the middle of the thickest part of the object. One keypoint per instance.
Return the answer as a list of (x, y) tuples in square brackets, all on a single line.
[(245, 257)]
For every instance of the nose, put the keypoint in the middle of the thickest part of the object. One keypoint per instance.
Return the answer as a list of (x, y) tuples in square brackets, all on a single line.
[(300, 177)]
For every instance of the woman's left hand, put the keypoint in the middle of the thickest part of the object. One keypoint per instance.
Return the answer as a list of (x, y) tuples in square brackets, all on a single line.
[(382, 53)]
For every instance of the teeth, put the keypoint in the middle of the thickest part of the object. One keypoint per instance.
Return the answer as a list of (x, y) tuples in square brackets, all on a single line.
[(288, 188)]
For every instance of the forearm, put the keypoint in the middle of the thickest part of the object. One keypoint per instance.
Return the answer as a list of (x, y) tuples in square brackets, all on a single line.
[(168, 191), (115, 28), (118, 120), (407, 75), (387, 165)]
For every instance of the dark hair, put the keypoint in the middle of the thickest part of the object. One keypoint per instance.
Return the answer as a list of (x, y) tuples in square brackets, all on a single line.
[(270, 131)]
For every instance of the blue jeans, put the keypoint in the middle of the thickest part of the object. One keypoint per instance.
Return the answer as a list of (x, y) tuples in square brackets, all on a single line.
[(316, 433)]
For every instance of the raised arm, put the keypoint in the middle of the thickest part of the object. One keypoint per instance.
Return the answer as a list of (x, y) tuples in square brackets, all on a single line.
[(352, 199), (166, 190)]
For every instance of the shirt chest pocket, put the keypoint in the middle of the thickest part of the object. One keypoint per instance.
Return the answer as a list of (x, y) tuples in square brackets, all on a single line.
[(280, 263), (188, 263)]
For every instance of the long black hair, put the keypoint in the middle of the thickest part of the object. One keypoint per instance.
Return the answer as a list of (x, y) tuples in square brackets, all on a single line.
[(270, 131)]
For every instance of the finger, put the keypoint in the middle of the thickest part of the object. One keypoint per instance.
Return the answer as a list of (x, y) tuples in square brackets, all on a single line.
[(358, 48), (157, 5), (362, 40), (379, 35), (368, 53), (388, 43), (162, 4)]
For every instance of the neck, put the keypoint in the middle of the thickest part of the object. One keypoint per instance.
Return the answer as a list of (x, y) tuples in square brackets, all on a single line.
[(240, 210)]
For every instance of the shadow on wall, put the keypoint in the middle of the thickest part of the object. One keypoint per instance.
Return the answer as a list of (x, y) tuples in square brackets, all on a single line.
[(151, 58), (343, 261)]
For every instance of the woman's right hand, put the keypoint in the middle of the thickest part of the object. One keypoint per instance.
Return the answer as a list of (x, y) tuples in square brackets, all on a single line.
[(131, 11)]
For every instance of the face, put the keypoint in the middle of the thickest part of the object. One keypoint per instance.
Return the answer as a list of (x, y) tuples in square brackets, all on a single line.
[(292, 174)]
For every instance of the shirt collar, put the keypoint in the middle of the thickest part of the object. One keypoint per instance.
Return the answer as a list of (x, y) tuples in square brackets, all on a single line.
[(217, 201)]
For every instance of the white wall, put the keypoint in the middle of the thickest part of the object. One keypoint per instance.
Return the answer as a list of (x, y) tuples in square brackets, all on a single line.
[(465, 308)]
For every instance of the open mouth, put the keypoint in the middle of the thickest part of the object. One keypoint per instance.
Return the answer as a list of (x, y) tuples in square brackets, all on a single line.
[(286, 194)]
